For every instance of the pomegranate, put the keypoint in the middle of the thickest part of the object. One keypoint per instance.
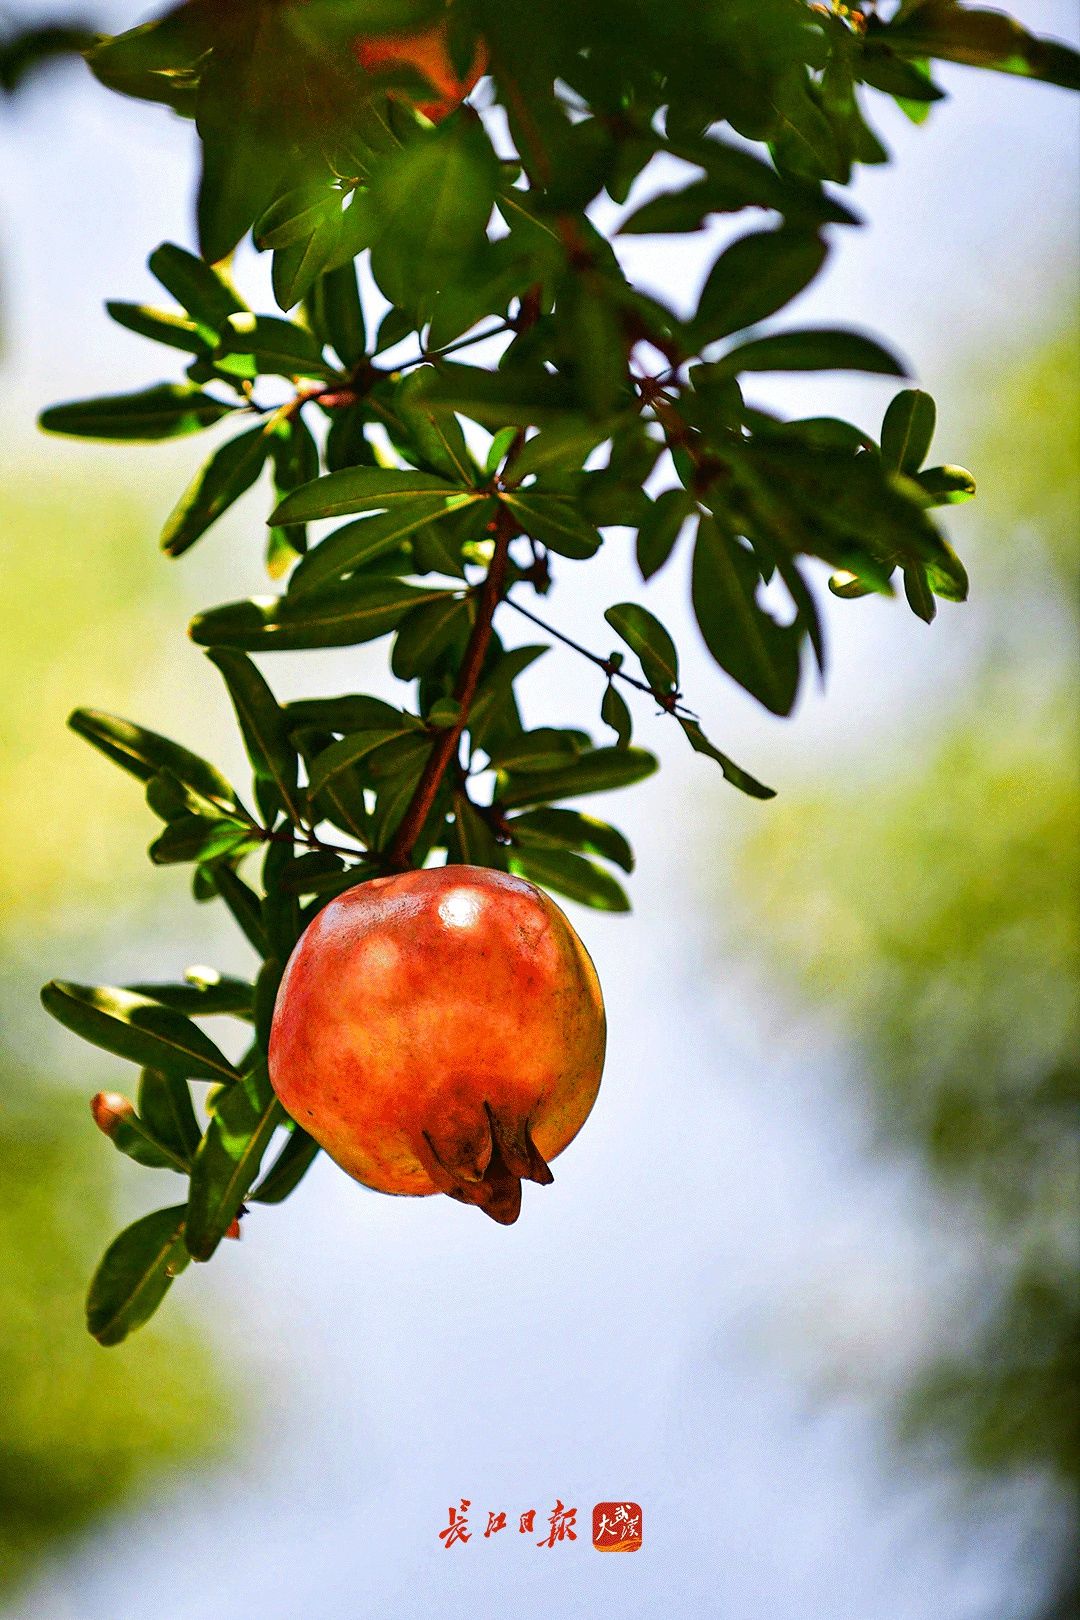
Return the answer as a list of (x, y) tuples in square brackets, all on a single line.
[(441, 1031)]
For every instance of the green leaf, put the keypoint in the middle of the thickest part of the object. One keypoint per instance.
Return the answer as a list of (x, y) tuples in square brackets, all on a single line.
[(753, 279), (231, 470), (563, 447), (355, 712), (336, 616), (199, 838), (986, 39), (288, 1169), (336, 314), (571, 829), (435, 438), (358, 489), (166, 411), (133, 1027), (262, 724), (203, 992), (207, 295), (355, 544), (659, 529), (243, 904), (165, 1107), (745, 640), (918, 592), (553, 521), (540, 750), (433, 199), (144, 753), (228, 1160), (732, 773), (946, 486), (160, 326), (135, 1274), (826, 349), (573, 876), (646, 636), (427, 633), (134, 1138), (615, 713), (907, 429), (471, 841), (597, 772), (277, 347), (522, 395), (347, 752)]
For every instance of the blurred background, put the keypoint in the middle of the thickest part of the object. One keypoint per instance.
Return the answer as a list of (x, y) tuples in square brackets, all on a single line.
[(807, 1285)]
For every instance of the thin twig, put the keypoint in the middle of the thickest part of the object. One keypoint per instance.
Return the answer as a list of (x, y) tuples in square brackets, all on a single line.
[(611, 669)]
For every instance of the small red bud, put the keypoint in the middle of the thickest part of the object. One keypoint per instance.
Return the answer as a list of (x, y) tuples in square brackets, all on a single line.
[(110, 1110), (234, 1230)]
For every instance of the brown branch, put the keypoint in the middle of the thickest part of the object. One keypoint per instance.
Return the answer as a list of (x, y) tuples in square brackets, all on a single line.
[(445, 744)]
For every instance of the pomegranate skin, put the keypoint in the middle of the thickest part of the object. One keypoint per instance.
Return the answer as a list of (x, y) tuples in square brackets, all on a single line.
[(440, 1031)]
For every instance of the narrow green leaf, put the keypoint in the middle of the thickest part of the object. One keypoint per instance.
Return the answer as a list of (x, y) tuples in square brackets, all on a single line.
[(563, 447), (228, 1160), (288, 1169), (165, 1106), (358, 489), (426, 634), (167, 411), (336, 616), (355, 544), (144, 753), (732, 773), (918, 592), (161, 326), (826, 349), (347, 752), (745, 640), (946, 486), (135, 1274), (198, 838), (597, 772), (262, 724), (231, 470), (133, 1027), (615, 713), (336, 313), (277, 347), (203, 992)]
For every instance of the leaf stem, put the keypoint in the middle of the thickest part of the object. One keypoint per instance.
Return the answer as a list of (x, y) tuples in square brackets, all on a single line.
[(668, 701)]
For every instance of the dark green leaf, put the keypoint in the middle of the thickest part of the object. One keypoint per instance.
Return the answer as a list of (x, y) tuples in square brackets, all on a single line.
[(199, 838), (167, 411), (206, 294), (203, 992), (135, 1273), (615, 713), (732, 773), (345, 753), (358, 489), (228, 1160), (136, 1028), (646, 636), (288, 1169), (262, 724), (144, 753), (573, 876), (827, 349), (596, 772), (231, 470), (563, 447), (165, 1107), (336, 313), (745, 640), (571, 829), (355, 544), (552, 520), (336, 616), (754, 278), (659, 530), (175, 331)]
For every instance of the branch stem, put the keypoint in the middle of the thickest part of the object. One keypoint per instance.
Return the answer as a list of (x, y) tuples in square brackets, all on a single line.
[(667, 701)]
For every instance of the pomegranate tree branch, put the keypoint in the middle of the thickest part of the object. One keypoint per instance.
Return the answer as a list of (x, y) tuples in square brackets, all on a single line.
[(610, 667), (445, 743)]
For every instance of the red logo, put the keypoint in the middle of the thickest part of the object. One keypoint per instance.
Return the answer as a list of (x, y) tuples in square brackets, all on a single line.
[(616, 1527)]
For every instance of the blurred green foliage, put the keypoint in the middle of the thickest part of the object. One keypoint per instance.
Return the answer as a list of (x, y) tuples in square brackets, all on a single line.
[(80, 1431), (934, 913)]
